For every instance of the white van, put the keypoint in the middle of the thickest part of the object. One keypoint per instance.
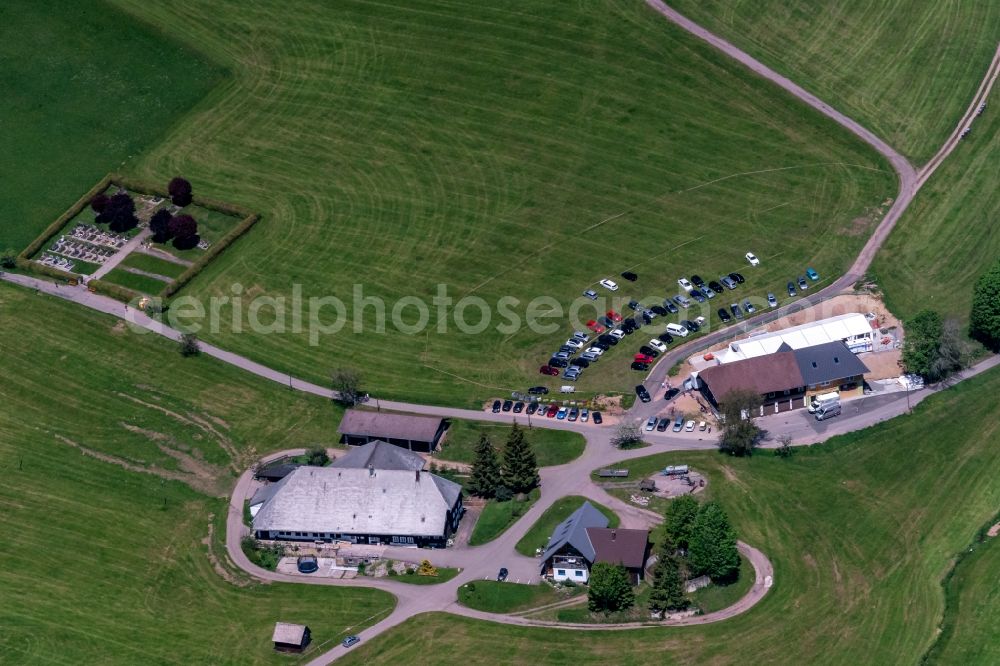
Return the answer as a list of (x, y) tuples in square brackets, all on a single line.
[(823, 400), (567, 389), (677, 329)]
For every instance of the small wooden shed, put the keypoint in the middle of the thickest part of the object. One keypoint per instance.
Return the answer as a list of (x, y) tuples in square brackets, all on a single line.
[(289, 637)]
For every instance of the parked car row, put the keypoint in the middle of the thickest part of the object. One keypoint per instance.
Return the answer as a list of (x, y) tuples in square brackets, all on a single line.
[(661, 424), (550, 410)]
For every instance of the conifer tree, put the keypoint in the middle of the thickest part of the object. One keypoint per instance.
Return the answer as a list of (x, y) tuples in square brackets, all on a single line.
[(520, 468), (485, 470)]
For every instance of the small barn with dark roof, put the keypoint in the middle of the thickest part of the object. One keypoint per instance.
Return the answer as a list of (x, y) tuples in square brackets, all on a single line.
[(409, 431), (289, 637)]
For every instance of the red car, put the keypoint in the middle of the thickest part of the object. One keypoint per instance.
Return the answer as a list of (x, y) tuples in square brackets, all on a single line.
[(548, 370), (553, 409), (643, 358), (595, 327), (614, 316)]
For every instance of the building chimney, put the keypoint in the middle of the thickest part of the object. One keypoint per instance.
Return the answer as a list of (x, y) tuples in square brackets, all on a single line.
[(418, 476), (371, 470), (613, 534)]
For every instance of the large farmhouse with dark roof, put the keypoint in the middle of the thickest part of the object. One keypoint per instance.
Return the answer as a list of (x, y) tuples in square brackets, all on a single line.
[(788, 377), (407, 507), (409, 431)]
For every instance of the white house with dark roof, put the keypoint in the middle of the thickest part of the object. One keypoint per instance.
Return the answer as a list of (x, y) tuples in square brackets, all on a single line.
[(584, 539), (404, 507)]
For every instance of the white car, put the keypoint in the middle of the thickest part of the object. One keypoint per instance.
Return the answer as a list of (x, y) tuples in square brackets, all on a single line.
[(752, 258), (610, 285), (574, 343), (685, 285), (689, 427), (651, 423), (617, 333), (585, 415), (596, 351), (658, 345)]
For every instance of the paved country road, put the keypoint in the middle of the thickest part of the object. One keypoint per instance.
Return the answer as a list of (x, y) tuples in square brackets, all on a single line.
[(574, 477)]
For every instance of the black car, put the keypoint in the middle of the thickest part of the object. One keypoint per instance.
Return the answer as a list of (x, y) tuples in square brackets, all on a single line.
[(518, 407), (669, 305), (648, 351), (580, 362), (671, 392), (662, 425), (689, 325), (739, 279), (307, 564), (697, 295), (638, 365), (715, 286), (646, 319), (507, 405), (665, 338), (606, 322), (697, 281), (558, 362), (629, 326), (600, 345), (735, 309), (791, 288), (502, 576), (538, 390), (496, 406), (596, 418), (607, 339), (643, 394), (660, 310), (634, 305), (630, 276), (531, 408), (724, 316), (568, 349)]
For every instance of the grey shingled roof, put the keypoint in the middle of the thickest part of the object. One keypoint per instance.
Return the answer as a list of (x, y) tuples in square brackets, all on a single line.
[(357, 501), (828, 362), (386, 425), (285, 632), (380, 455), (573, 531)]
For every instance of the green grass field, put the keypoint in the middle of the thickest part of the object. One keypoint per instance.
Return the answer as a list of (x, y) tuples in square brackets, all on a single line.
[(500, 149), (115, 451), (906, 69), (716, 597), (155, 265), (495, 597), (551, 447), (860, 530), (970, 628), (538, 535), (496, 517), (79, 103), (140, 283), (948, 236)]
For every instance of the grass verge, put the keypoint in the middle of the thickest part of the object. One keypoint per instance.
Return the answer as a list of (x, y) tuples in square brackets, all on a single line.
[(496, 517), (538, 535)]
